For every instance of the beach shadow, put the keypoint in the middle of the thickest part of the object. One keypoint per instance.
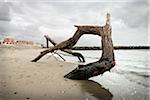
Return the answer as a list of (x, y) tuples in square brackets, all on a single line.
[(95, 91)]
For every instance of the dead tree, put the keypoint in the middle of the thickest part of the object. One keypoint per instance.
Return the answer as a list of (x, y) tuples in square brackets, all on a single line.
[(79, 55), (107, 60), (68, 44)]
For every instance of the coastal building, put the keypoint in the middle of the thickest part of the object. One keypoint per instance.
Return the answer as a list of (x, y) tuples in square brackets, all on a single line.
[(9, 41), (12, 41), (24, 42)]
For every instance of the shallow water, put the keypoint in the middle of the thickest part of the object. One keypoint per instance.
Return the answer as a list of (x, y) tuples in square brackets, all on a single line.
[(129, 79)]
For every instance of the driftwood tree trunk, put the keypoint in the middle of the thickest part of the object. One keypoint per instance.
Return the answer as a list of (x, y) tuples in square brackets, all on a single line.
[(68, 44), (107, 60)]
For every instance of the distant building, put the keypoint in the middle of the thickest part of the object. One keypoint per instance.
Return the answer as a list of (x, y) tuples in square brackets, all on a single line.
[(9, 41), (12, 41), (23, 42)]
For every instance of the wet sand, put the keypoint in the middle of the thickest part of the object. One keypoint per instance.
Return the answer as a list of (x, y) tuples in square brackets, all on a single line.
[(21, 79)]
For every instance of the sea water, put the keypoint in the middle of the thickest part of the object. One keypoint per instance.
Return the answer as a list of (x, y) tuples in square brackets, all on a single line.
[(128, 80)]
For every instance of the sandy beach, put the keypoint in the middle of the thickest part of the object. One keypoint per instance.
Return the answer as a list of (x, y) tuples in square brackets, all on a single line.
[(21, 79)]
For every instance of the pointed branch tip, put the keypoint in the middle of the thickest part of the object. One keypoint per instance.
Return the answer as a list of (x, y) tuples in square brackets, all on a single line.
[(108, 18)]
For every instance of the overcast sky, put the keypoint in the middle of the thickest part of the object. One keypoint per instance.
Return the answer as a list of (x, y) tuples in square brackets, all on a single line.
[(31, 19)]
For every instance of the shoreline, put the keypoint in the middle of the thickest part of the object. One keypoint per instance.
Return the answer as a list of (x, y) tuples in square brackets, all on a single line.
[(21, 79), (115, 48), (82, 47)]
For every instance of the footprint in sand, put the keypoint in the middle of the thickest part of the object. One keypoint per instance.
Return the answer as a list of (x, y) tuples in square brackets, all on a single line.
[(15, 93), (28, 98)]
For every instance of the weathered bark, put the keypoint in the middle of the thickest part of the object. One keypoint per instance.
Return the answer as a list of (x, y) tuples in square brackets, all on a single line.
[(79, 55), (106, 62)]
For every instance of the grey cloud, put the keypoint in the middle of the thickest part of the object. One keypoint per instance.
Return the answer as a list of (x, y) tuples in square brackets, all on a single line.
[(4, 12), (31, 19), (3, 26), (134, 14)]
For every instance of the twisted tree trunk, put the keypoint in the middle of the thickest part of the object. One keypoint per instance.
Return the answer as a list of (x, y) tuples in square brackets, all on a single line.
[(106, 62)]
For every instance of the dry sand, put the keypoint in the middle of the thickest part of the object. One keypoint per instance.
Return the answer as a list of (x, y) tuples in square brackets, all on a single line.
[(21, 79)]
